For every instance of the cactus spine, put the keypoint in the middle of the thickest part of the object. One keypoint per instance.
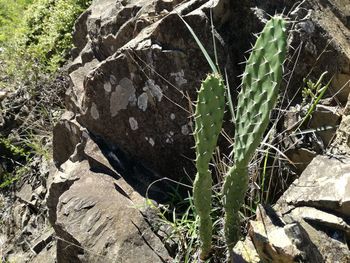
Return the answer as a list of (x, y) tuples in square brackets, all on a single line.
[(260, 83), (208, 122)]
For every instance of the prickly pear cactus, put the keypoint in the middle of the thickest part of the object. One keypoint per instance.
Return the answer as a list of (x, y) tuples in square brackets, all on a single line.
[(208, 123), (260, 83)]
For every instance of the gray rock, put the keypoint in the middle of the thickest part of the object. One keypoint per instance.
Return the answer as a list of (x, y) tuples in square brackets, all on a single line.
[(309, 223), (325, 120), (42, 241), (319, 201), (90, 224), (66, 135), (324, 184), (47, 255), (300, 157), (276, 241), (245, 252), (25, 194), (144, 63)]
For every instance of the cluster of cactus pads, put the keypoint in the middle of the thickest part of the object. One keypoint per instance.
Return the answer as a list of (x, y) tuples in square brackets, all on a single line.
[(259, 91)]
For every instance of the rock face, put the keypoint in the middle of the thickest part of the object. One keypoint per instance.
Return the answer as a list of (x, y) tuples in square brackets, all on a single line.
[(316, 188), (133, 74), (310, 221), (136, 67), (90, 224)]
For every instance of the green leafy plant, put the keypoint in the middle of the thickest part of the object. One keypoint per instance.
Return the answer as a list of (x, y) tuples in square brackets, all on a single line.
[(36, 34), (312, 93), (49, 26), (260, 82), (16, 155), (35, 39)]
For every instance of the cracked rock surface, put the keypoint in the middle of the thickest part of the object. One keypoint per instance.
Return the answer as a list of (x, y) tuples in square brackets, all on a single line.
[(310, 222)]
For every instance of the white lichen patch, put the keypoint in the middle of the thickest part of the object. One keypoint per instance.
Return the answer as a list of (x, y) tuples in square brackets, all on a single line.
[(94, 112), (107, 86), (112, 79), (155, 90), (74, 129), (185, 130), (150, 140), (133, 100), (126, 83), (120, 98), (142, 101), (169, 136), (179, 77), (172, 116), (133, 123), (342, 186)]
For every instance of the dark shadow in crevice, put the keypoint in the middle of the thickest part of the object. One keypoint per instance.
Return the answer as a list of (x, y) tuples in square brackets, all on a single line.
[(275, 219), (138, 176), (97, 167), (331, 232)]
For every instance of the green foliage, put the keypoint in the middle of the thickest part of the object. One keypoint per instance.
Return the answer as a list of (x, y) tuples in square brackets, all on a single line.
[(35, 38), (182, 228), (7, 179), (14, 150), (11, 17), (49, 25), (312, 93), (36, 35), (15, 154)]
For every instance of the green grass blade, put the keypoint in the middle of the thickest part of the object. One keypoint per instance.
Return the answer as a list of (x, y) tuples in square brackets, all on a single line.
[(199, 43), (229, 99)]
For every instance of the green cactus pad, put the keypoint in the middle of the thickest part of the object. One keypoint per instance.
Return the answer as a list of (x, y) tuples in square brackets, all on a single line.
[(235, 187), (260, 83), (208, 123)]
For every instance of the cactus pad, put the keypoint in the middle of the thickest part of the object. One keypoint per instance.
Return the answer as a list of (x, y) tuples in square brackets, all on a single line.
[(260, 83), (208, 123)]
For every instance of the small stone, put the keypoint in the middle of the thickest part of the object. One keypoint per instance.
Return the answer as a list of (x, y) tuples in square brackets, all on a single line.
[(25, 194)]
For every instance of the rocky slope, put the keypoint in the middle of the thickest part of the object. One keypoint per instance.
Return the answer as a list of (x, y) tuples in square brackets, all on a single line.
[(134, 73)]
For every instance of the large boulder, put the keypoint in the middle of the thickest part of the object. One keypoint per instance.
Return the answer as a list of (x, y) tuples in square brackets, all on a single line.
[(96, 215), (136, 89)]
